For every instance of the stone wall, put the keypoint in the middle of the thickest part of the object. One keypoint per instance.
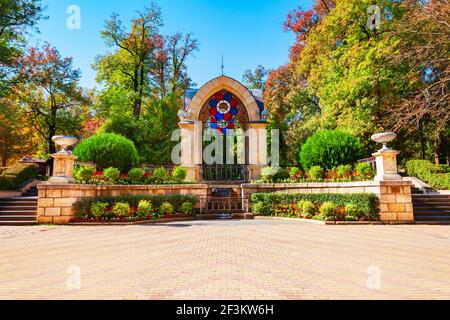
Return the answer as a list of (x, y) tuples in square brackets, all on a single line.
[(55, 204), (395, 196)]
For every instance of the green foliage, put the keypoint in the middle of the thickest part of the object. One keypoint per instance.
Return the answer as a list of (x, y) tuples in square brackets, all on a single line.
[(327, 211), (98, 209), (259, 209), (18, 174), (306, 209), (344, 171), (136, 174), (166, 208), (268, 173), (83, 206), (121, 209), (437, 176), (144, 209), (160, 175), (364, 171), (112, 175), (353, 212), (84, 174), (294, 172), (329, 149), (315, 173), (108, 150), (187, 208), (276, 204), (179, 173)]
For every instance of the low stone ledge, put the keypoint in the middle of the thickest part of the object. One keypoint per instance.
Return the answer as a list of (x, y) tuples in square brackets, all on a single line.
[(55, 203)]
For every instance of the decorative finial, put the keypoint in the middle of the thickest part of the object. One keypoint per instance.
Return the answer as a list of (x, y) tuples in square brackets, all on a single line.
[(222, 66)]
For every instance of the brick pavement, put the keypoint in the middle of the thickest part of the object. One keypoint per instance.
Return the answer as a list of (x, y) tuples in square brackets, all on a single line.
[(225, 260)]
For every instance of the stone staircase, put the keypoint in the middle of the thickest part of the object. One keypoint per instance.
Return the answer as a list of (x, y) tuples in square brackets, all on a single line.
[(431, 208), (19, 211), (224, 202)]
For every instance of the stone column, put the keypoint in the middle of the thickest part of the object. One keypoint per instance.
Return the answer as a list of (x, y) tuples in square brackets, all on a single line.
[(191, 148), (386, 165), (257, 140), (63, 166)]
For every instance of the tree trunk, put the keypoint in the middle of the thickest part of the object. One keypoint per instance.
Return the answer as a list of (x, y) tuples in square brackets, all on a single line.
[(436, 147), (422, 140), (137, 102)]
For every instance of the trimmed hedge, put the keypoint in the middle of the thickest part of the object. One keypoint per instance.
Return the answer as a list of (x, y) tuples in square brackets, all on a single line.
[(108, 150), (83, 207), (437, 176), (329, 149), (17, 174), (285, 204)]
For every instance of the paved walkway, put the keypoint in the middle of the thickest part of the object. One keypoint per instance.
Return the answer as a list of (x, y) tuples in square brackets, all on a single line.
[(225, 260)]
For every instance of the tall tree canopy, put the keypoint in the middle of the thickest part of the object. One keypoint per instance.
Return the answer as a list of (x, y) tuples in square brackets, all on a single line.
[(145, 64), (358, 65), (49, 93)]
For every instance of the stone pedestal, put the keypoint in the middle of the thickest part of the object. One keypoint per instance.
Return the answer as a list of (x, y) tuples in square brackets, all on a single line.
[(386, 165), (191, 149), (257, 149), (63, 168)]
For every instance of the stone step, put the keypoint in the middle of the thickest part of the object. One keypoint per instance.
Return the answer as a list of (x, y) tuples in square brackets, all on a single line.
[(18, 212), (432, 216), (29, 218), (441, 222), (17, 207), (18, 223)]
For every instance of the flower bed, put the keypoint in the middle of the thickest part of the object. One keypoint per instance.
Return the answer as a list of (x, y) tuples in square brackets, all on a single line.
[(324, 206), (136, 176), (342, 173), (134, 208)]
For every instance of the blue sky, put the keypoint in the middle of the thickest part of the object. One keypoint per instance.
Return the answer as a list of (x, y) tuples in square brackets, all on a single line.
[(247, 32)]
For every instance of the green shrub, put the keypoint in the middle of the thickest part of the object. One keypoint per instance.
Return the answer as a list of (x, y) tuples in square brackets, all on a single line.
[(179, 174), (364, 171), (353, 212), (259, 209), (344, 171), (327, 211), (100, 209), (14, 176), (329, 149), (160, 175), (121, 210), (268, 173), (294, 172), (136, 175), (144, 209), (281, 175), (316, 173), (84, 174), (108, 150), (83, 206), (8, 183), (437, 176), (306, 209), (268, 203), (166, 208), (187, 208), (112, 175)]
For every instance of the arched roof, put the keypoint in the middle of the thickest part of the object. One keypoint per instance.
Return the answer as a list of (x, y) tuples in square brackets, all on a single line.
[(252, 100)]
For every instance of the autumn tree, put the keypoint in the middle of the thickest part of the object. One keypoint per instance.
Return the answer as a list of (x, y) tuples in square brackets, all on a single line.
[(49, 93), (256, 79), (144, 63), (16, 18), (424, 50)]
